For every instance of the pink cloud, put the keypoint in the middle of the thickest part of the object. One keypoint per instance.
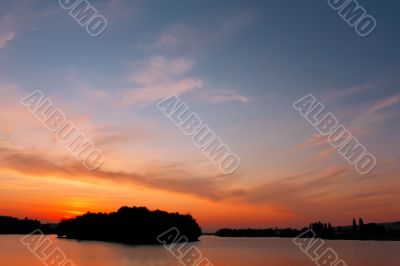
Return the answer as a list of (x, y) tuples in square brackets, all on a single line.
[(383, 104), (315, 140), (159, 78), (6, 30), (339, 94), (5, 38), (222, 96)]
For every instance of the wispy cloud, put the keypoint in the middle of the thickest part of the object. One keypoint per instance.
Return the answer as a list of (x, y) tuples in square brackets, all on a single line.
[(181, 38), (293, 190), (314, 140), (383, 104), (172, 179), (287, 191), (176, 38), (5, 38), (221, 96), (7, 32), (159, 78), (340, 94)]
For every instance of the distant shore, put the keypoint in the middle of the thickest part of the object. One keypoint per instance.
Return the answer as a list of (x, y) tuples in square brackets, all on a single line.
[(360, 231)]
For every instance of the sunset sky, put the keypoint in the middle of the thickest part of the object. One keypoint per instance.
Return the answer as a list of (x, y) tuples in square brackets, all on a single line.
[(239, 65)]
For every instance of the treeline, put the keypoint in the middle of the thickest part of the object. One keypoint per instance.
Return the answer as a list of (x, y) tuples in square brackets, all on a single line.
[(11, 225), (360, 231), (368, 231), (136, 225)]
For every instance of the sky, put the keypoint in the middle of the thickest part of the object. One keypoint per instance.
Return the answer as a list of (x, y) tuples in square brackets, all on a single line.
[(239, 65)]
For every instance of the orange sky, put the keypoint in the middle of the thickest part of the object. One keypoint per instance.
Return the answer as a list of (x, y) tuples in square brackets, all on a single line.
[(41, 179)]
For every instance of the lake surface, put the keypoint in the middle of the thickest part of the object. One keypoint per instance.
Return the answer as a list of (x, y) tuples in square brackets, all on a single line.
[(220, 251)]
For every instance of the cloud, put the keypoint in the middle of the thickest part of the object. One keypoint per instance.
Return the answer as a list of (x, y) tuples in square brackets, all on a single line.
[(340, 94), (383, 104), (39, 154), (287, 191), (180, 38), (110, 135), (324, 150), (325, 153), (221, 96), (164, 178), (292, 190), (308, 193), (159, 78), (315, 140), (177, 39), (5, 38), (6, 31)]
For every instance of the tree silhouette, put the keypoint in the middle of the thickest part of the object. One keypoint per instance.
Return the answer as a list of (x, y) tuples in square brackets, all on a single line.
[(361, 223), (355, 228)]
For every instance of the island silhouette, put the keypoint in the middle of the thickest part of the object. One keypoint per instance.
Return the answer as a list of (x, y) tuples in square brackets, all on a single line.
[(136, 225)]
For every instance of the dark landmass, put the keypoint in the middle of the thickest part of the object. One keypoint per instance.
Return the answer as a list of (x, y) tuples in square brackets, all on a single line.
[(360, 231), (138, 225), (11, 225), (129, 225)]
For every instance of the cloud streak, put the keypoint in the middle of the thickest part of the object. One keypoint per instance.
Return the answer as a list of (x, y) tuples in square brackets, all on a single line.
[(171, 179), (221, 96), (347, 92), (7, 32), (384, 104), (159, 78), (5, 38)]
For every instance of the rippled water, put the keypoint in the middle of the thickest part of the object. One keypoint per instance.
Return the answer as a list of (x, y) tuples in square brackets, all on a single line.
[(220, 251)]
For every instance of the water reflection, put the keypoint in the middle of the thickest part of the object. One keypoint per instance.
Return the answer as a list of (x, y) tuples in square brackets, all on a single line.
[(220, 251)]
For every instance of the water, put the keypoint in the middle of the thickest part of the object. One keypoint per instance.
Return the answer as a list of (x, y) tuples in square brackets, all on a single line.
[(220, 251)]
